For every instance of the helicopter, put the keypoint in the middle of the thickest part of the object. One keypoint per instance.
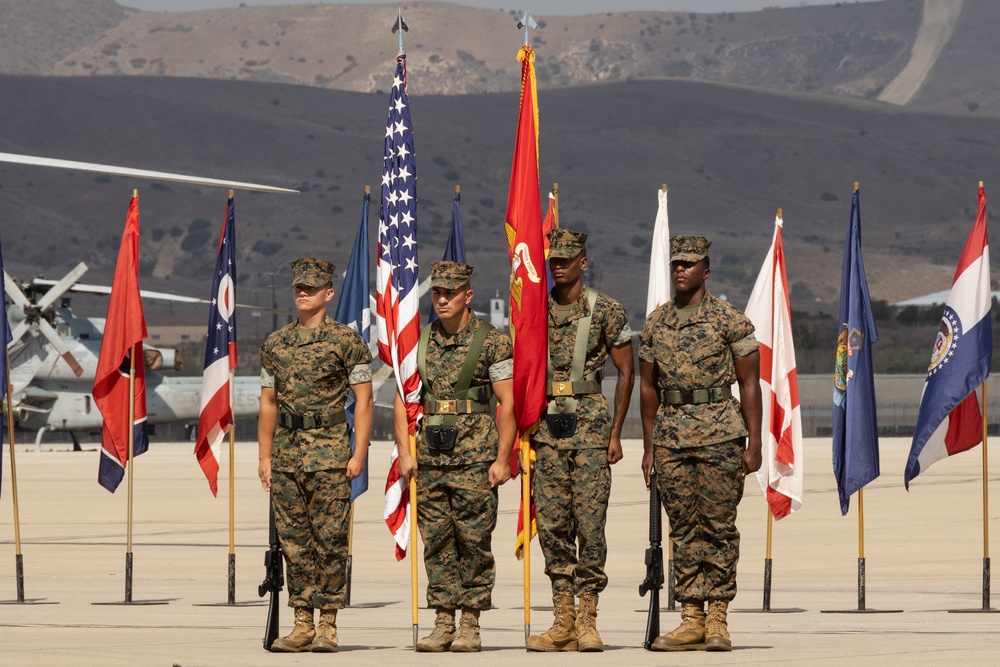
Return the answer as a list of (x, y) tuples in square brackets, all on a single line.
[(53, 361)]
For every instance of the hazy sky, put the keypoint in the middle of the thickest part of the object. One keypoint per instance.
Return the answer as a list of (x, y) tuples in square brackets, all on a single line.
[(538, 7)]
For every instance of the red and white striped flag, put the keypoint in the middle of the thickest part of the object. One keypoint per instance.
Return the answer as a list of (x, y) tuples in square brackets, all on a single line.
[(216, 417), (780, 474), (398, 302)]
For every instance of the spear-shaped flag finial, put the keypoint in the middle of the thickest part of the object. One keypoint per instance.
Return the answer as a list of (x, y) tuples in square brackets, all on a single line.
[(399, 26), (525, 23)]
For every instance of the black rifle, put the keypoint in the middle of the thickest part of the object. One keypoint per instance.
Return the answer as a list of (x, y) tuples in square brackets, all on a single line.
[(274, 580), (654, 565)]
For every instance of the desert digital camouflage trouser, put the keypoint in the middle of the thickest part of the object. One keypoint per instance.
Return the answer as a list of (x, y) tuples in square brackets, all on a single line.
[(456, 515), (700, 488), (311, 511), (572, 487)]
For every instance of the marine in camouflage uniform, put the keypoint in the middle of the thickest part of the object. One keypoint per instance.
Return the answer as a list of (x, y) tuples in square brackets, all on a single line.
[(307, 369), (700, 438), (457, 486), (572, 479)]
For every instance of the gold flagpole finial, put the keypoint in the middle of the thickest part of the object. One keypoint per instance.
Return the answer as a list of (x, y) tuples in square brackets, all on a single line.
[(780, 214), (368, 189), (458, 188), (856, 186)]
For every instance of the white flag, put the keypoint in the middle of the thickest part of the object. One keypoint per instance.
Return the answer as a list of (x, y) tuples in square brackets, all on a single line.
[(780, 474), (659, 258)]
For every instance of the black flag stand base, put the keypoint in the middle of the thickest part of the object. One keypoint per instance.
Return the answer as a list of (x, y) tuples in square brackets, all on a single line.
[(19, 567), (231, 601), (128, 589), (766, 608), (986, 608), (862, 609)]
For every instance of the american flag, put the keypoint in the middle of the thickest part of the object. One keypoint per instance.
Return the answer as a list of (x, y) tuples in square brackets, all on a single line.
[(398, 305), (216, 416)]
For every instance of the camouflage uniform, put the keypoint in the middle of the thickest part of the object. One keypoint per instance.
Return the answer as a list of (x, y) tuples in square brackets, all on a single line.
[(311, 370), (698, 451), (572, 480), (457, 508)]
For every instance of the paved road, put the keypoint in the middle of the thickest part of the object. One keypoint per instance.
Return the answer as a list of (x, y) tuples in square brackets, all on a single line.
[(923, 554)]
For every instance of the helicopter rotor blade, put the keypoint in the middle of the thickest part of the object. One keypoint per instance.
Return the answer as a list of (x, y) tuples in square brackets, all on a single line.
[(13, 292), (62, 286), (53, 336)]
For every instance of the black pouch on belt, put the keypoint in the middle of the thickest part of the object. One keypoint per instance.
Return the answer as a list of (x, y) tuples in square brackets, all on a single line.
[(441, 438), (561, 425)]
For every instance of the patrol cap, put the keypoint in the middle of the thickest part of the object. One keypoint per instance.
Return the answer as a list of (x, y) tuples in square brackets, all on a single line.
[(566, 243), (312, 272), (450, 275), (689, 248)]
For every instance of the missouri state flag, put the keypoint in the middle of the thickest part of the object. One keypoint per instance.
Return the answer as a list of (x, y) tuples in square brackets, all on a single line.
[(124, 331), (949, 420)]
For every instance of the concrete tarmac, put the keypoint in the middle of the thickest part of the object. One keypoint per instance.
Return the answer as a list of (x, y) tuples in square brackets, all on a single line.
[(923, 549)]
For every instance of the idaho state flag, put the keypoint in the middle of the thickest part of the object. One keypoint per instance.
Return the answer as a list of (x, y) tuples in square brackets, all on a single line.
[(124, 330), (949, 421), (526, 251)]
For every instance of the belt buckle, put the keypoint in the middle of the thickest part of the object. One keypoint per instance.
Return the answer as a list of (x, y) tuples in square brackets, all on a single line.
[(700, 396), (446, 407), (562, 388)]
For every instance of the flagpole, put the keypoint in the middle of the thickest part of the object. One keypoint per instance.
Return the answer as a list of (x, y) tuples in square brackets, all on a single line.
[(767, 560), (861, 549), (555, 205), (986, 508), (232, 514), (18, 560), (413, 545), (131, 454), (350, 557), (526, 530)]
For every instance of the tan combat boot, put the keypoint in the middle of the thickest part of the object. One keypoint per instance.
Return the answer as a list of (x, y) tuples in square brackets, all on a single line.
[(562, 635), (301, 635), (716, 628), (586, 625), (443, 634), (689, 635), (326, 633), (467, 640)]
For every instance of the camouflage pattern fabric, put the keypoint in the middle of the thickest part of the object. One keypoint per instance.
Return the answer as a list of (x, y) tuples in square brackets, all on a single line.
[(311, 512), (572, 488), (311, 372), (456, 515), (700, 488), (312, 272), (478, 440), (608, 328), (696, 355)]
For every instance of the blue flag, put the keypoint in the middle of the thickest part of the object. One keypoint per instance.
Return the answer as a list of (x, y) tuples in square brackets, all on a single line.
[(454, 249), (4, 371), (855, 426), (354, 310)]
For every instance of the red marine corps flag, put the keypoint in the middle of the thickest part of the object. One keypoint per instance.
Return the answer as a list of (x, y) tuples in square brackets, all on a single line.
[(525, 248), (124, 331)]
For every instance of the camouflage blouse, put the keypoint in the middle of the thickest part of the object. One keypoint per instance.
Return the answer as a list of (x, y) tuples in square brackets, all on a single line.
[(608, 328), (311, 371), (478, 439), (697, 355)]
